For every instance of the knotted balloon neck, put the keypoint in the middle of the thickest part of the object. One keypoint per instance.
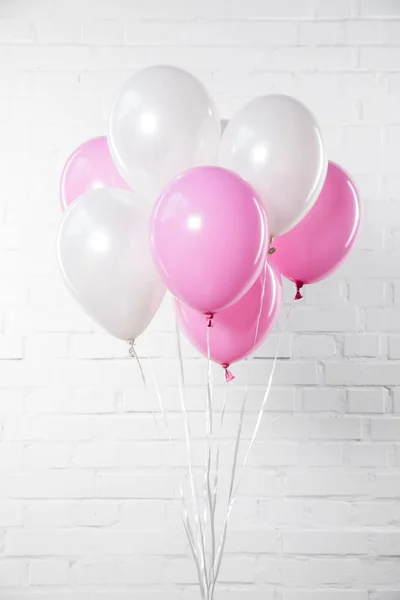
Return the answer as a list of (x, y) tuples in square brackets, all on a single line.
[(271, 248), (132, 348), (210, 319), (299, 286), (229, 376)]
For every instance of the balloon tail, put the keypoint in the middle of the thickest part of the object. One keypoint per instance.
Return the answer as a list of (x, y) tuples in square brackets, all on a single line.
[(299, 286), (229, 376), (271, 248), (210, 319)]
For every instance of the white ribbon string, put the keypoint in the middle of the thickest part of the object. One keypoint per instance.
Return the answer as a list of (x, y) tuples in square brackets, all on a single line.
[(232, 496), (133, 353), (190, 536), (207, 483), (158, 393), (201, 551)]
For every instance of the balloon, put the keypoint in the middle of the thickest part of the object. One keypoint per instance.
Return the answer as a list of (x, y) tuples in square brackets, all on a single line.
[(239, 329), (209, 234), (323, 239), (89, 167), (163, 122), (105, 259), (275, 143)]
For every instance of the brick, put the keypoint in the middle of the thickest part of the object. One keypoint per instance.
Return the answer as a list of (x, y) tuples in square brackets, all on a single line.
[(374, 8), (322, 33), (314, 571), (320, 320), (314, 346), (394, 346), (396, 400), (104, 32), (387, 543), (376, 513), (386, 428), (361, 345), (194, 33), (12, 573), (96, 513), (368, 455), (323, 594), (364, 400), (355, 373), (321, 454), (325, 542), (327, 484), (320, 399), (48, 572), (41, 455), (44, 543), (11, 513), (46, 345)]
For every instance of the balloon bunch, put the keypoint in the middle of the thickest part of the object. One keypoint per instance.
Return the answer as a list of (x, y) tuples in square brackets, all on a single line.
[(221, 206), (165, 201)]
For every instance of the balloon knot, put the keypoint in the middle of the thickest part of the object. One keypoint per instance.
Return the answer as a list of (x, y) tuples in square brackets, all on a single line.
[(271, 248), (298, 295), (229, 376), (132, 347), (210, 319)]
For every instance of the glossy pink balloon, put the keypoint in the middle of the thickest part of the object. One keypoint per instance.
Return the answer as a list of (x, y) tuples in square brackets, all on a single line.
[(89, 167), (210, 237), (321, 241), (235, 333)]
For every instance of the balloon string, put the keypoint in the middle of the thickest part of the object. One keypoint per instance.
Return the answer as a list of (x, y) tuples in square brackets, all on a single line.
[(218, 560), (261, 305), (208, 500), (232, 496), (189, 533), (133, 353), (158, 393), (188, 438)]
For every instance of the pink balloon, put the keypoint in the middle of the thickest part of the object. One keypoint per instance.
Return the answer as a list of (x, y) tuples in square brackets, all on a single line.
[(210, 238), (235, 333), (321, 241), (89, 167)]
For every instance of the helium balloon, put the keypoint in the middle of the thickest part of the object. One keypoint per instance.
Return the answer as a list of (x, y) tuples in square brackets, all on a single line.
[(163, 122), (239, 329), (105, 259), (210, 238), (89, 167), (321, 241), (274, 142)]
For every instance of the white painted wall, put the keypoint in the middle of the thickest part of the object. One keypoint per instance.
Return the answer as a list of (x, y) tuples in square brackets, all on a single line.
[(87, 508)]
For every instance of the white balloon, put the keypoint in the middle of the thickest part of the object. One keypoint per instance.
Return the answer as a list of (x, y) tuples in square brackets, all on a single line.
[(105, 258), (163, 122), (275, 143)]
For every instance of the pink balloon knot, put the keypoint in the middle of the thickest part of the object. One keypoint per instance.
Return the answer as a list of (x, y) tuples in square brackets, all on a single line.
[(229, 376), (298, 295), (210, 319)]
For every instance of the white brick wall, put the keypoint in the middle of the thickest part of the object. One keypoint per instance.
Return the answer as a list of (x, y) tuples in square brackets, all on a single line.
[(88, 494)]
